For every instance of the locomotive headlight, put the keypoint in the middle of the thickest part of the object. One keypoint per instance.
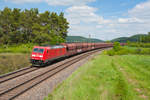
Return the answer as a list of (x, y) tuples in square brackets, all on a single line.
[(33, 55), (41, 56)]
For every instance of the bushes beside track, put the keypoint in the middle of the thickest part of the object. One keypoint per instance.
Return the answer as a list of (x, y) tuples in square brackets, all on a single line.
[(144, 45), (22, 48), (118, 50)]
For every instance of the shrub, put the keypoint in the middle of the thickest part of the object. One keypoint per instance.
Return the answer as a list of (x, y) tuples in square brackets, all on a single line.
[(22, 48), (117, 46), (111, 52)]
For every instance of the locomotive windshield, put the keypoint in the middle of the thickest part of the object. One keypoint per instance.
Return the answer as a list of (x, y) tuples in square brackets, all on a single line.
[(38, 50)]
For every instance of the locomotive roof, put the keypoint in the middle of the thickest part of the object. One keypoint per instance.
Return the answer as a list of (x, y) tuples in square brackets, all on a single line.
[(56, 46), (51, 46)]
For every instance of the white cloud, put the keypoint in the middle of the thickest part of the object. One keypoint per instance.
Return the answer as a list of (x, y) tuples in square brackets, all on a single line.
[(84, 20), (54, 2), (82, 14), (140, 14), (137, 21), (68, 2), (24, 1), (129, 20), (141, 10)]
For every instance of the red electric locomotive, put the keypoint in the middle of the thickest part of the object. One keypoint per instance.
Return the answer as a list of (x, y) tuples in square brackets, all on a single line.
[(43, 54)]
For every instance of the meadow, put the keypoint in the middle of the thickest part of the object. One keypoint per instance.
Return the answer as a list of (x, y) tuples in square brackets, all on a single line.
[(119, 77), (13, 61), (14, 57)]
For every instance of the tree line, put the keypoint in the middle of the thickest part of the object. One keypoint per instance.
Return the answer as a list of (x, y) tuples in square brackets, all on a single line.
[(146, 38), (29, 26)]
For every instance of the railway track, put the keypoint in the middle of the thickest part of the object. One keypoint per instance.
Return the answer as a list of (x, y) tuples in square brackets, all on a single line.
[(17, 73), (22, 86)]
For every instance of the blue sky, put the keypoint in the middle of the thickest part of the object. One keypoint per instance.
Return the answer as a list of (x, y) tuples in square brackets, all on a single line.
[(102, 19)]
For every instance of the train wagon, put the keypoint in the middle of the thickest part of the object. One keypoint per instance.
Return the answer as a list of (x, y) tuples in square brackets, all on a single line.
[(70, 48)]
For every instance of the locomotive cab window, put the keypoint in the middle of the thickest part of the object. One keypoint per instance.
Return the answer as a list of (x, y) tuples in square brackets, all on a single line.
[(38, 50)]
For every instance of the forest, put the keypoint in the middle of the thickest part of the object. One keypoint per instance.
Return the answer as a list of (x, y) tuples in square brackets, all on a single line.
[(31, 26)]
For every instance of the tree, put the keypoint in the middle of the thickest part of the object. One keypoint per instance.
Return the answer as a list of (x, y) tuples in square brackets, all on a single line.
[(5, 24), (30, 26)]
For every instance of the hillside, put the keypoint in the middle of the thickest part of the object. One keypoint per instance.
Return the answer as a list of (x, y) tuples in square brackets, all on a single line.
[(133, 38), (81, 39)]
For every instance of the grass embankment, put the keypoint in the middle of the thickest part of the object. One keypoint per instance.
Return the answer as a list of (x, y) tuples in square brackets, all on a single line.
[(108, 78), (10, 62), (14, 57)]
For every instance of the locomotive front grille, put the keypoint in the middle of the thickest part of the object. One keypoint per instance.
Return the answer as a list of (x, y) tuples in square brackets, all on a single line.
[(36, 62)]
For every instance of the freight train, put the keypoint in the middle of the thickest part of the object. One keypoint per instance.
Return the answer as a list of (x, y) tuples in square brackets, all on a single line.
[(42, 55)]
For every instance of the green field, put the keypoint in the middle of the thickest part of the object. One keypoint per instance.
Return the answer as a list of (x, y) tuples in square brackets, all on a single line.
[(14, 57), (13, 61), (125, 77)]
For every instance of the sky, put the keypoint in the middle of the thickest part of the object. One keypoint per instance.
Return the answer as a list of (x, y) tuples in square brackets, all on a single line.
[(101, 19)]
